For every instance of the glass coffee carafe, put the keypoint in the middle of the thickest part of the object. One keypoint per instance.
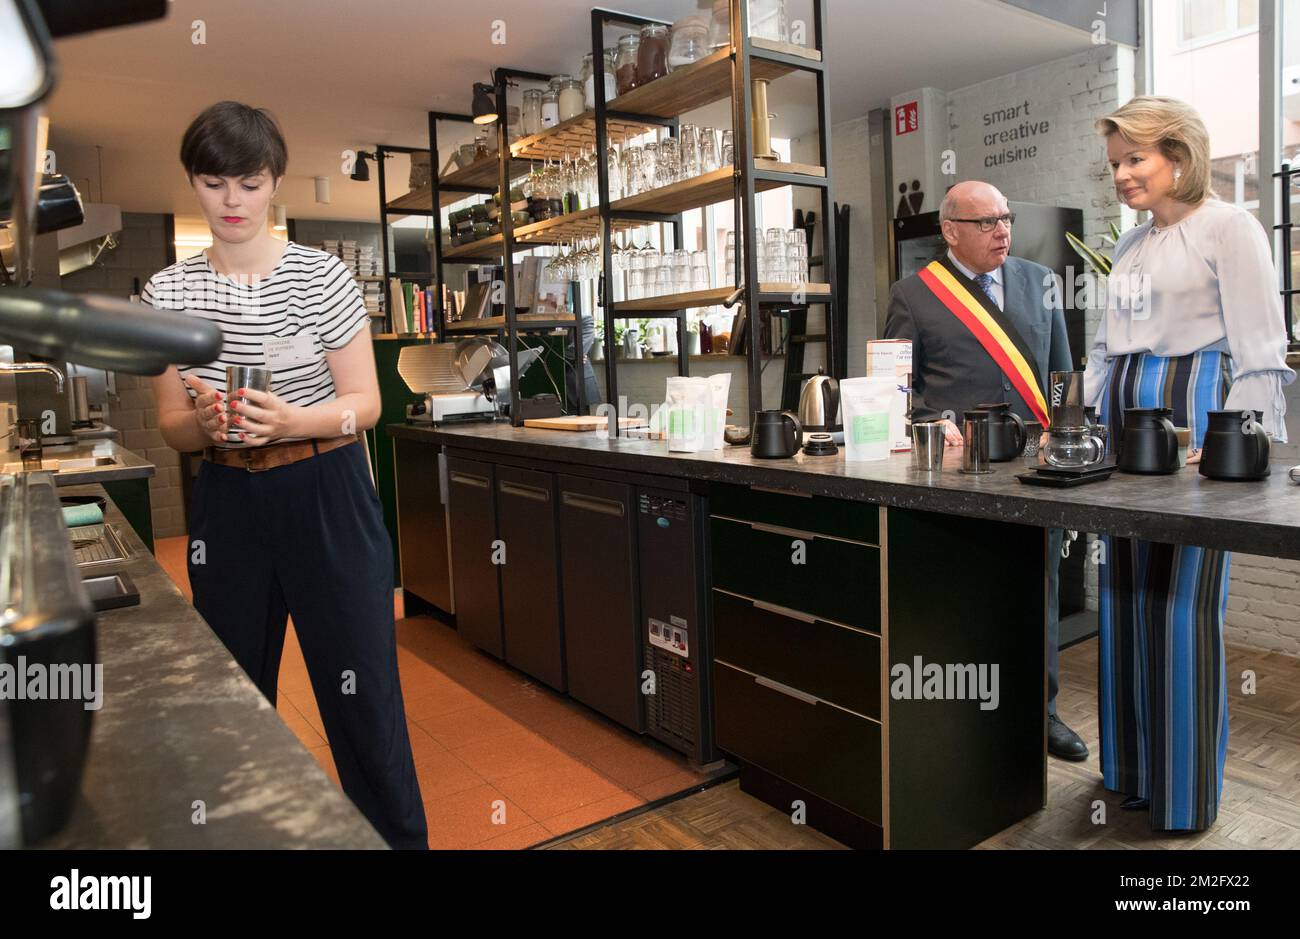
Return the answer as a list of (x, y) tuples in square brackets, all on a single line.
[(1071, 441)]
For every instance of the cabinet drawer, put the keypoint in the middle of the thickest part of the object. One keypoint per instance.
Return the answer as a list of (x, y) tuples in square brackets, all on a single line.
[(811, 743), (838, 580), (828, 660), (857, 521)]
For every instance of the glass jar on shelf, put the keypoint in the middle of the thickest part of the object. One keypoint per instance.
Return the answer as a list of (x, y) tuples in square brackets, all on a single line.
[(690, 42), (571, 100), (531, 112), (652, 56), (767, 20), (550, 108), (589, 79), (629, 47), (720, 25)]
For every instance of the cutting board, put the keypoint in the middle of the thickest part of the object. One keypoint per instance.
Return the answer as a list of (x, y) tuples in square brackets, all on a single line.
[(580, 422)]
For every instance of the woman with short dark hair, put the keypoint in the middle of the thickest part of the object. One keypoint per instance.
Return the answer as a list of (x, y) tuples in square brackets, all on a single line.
[(1193, 323), (285, 521)]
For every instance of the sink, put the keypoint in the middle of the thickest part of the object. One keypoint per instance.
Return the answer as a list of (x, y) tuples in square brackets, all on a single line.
[(64, 464)]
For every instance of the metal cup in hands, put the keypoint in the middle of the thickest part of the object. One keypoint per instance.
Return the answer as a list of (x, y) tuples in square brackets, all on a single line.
[(927, 446), (242, 376), (975, 450)]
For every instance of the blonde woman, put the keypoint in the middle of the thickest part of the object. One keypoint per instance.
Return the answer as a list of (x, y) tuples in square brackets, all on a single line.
[(1193, 323)]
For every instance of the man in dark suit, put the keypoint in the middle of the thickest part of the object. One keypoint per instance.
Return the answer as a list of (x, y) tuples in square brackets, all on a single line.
[(953, 371)]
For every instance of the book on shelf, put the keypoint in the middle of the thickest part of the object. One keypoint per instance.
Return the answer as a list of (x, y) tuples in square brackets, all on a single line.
[(414, 306)]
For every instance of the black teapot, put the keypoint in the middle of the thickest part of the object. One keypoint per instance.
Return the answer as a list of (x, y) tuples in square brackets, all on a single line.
[(1236, 446), (1149, 443)]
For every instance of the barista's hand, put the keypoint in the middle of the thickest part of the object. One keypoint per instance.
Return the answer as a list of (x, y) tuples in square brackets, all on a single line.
[(1193, 456), (209, 409), (951, 435), (262, 415)]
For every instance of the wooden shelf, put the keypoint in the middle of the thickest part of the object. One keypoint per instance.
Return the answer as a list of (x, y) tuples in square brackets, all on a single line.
[(531, 320), (485, 249), (692, 86), (485, 171), (717, 186), (715, 295), (573, 135), (784, 48), (551, 231), (564, 228)]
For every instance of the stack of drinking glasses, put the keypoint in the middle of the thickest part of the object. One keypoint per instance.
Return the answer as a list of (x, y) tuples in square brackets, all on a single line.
[(653, 165), (782, 256), (654, 273)]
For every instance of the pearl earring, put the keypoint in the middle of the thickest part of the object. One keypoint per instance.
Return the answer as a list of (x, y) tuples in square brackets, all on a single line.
[(1178, 174)]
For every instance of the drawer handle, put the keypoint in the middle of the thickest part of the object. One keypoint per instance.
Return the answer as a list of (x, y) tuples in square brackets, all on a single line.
[(465, 479), (783, 611), (593, 503), (787, 690), (444, 481), (778, 530), (536, 493), (781, 492)]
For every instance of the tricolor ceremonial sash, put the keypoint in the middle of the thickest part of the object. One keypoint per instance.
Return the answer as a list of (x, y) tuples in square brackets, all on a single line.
[(1000, 339)]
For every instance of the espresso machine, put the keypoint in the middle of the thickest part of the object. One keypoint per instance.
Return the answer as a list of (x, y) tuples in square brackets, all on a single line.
[(47, 618)]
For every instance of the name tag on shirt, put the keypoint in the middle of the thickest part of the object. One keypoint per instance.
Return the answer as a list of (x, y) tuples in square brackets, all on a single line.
[(288, 351)]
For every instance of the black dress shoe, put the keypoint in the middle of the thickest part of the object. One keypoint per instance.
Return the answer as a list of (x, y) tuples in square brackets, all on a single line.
[(1063, 743), (1135, 804)]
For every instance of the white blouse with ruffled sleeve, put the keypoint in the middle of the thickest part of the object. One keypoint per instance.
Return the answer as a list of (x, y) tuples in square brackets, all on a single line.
[(1211, 286)]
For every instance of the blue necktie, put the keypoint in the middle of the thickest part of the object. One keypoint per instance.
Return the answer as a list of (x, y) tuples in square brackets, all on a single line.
[(985, 281)]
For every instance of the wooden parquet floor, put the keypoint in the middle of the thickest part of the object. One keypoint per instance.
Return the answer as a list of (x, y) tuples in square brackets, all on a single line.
[(1260, 807)]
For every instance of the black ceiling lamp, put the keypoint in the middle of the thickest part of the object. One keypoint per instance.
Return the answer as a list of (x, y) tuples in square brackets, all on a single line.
[(485, 103), (361, 172)]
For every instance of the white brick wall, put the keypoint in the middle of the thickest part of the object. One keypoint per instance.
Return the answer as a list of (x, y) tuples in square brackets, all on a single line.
[(1069, 168)]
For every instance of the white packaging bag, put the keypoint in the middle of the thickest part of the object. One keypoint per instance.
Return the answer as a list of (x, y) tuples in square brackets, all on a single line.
[(865, 404), (695, 412), (721, 383)]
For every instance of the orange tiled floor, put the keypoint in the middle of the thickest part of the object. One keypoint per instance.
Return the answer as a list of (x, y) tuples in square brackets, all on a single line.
[(502, 761)]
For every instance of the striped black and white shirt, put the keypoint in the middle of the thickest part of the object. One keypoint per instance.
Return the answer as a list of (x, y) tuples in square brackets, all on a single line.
[(308, 292)]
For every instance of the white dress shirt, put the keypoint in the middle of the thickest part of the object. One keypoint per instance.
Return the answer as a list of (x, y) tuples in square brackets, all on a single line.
[(998, 293), (1206, 282)]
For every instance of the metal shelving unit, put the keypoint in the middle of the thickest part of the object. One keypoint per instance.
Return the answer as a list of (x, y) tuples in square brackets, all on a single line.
[(401, 206), (725, 73), (488, 176), (1286, 227)]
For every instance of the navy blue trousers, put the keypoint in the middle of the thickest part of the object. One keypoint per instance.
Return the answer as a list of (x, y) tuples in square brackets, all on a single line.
[(308, 540)]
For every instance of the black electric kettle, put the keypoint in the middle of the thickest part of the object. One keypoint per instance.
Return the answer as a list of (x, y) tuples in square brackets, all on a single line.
[(777, 434)]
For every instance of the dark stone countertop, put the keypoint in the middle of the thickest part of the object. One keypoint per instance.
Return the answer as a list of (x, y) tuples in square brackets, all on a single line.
[(1183, 508), (182, 722)]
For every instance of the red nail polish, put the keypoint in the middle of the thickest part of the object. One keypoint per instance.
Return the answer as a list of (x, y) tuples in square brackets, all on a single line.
[(238, 419), (241, 391)]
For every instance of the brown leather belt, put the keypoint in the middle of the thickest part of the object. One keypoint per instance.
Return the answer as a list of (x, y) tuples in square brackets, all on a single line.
[(258, 459)]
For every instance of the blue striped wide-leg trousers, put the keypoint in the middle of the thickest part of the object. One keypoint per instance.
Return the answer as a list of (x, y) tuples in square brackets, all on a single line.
[(1162, 685)]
